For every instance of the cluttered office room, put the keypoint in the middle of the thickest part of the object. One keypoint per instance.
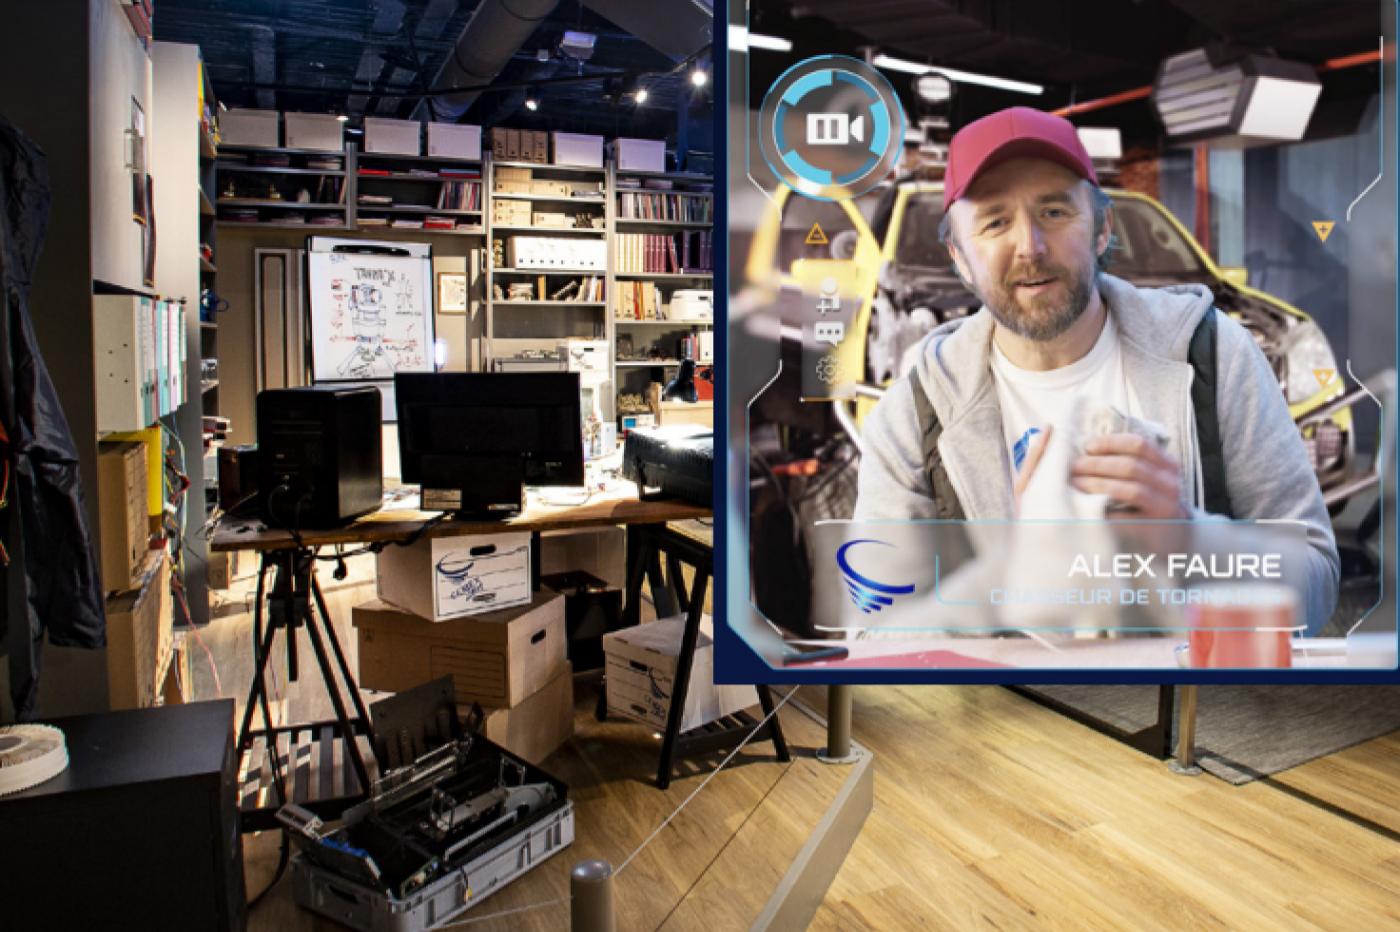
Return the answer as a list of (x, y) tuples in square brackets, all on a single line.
[(360, 382)]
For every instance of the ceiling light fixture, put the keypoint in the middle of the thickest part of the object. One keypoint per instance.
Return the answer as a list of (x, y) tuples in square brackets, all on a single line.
[(641, 95), (1253, 100), (962, 77), (532, 99), (342, 118), (741, 40), (699, 77)]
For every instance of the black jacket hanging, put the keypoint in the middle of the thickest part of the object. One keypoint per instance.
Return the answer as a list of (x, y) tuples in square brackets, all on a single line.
[(63, 591)]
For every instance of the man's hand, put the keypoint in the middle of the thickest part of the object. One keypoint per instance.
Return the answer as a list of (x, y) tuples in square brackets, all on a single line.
[(1133, 472)]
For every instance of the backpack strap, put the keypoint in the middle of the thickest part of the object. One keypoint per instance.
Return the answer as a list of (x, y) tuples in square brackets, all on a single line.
[(945, 500), (1203, 399)]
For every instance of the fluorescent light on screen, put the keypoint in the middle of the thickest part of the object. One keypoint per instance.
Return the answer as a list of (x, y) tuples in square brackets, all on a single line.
[(952, 74), (741, 40)]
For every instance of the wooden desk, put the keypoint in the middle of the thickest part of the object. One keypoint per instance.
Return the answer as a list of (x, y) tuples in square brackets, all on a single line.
[(295, 591), (612, 507)]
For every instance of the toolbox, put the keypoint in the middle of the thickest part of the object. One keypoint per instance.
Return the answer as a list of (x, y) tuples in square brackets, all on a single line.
[(453, 819)]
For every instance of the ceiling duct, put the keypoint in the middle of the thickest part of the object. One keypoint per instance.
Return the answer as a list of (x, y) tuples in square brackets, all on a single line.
[(492, 36), (1254, 100), (675, 28)]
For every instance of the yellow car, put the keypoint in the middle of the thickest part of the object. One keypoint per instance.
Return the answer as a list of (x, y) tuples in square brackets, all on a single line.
[(893, 264)]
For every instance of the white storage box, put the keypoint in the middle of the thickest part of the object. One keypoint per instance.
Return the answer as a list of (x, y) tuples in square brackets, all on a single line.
[(454, 140), (578, 149), (543, 252), (393, 137), (691, 304), (314, 131), (585, 356), (641, 669), (639, 155), (449, 577), (239, 127)]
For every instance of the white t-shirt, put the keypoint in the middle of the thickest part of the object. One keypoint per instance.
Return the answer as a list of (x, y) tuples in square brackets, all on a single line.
[(1030, 399)]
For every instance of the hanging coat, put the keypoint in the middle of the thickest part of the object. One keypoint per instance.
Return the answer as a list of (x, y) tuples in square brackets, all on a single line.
[(62, 589)]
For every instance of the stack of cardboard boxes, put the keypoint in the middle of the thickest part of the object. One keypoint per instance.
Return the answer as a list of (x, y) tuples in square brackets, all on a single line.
[(463, 607), (519, 145)]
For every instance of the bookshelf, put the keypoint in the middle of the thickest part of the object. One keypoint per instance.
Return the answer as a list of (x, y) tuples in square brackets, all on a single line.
[(540, 213), (282, 186), (663, 244), (416, 192), (208, 495), (600, 217)]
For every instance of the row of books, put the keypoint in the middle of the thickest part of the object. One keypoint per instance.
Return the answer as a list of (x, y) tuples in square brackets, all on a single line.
[(665, 253), (460, 195), (638, 301), (413, 223), (253, 215), (427, 174), (639, 206)]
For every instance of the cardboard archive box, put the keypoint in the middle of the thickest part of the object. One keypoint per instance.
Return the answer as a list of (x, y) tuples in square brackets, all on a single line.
[(393, 137), (536, 727), (314, 131), (449, 577), (242, 127), (140, 636), (454, 140), (639, 155), (641, 670), (121, 505), (578, 149), (498, 659)]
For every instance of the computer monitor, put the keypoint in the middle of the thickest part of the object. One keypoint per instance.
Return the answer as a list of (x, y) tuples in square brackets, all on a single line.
[(472, 440)]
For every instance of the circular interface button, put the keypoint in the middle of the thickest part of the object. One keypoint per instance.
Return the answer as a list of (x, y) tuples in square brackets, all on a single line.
[(831, 127)]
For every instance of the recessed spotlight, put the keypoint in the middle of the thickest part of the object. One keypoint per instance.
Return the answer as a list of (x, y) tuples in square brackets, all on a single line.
[(532, 100), (641, 95), (699, 77)]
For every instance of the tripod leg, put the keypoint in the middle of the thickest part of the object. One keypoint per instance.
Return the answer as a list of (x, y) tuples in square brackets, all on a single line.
[(351, 685), (347, 731), (262, 647)]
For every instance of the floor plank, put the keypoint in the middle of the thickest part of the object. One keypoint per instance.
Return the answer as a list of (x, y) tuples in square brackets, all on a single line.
[(994, 812)]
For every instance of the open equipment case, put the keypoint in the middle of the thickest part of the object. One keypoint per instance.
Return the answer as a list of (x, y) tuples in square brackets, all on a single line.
[(452, 820)]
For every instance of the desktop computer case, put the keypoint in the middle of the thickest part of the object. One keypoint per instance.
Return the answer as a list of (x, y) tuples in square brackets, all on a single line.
[(325, 445)]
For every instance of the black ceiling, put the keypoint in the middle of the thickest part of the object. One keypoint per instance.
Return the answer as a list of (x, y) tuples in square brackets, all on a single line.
[(1078, 49), (368, 57)]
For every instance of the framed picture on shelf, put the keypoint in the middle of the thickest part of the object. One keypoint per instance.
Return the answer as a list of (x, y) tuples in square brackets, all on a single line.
[(452, 292)]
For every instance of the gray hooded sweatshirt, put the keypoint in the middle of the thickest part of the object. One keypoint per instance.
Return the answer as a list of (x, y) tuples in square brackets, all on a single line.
[(1267, 472)]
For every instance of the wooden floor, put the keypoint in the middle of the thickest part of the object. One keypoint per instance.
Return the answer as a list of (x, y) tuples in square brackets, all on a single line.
[(711, 868), (993, 812), (990, 812), (753, 817)]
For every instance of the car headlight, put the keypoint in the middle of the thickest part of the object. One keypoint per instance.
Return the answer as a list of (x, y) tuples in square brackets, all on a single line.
[(1306, 349)]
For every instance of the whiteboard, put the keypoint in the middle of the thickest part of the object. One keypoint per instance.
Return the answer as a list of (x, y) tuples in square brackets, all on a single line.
[(371, 309)]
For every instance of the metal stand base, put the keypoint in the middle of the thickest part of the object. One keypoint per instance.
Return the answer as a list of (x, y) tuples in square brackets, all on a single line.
[(294, 588)]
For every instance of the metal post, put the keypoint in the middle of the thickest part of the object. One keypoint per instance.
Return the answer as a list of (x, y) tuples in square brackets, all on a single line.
[(1185, 762), (591, 886), (838, 726)]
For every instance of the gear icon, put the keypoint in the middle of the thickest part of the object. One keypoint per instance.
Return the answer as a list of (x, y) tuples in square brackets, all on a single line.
[(827, 370)]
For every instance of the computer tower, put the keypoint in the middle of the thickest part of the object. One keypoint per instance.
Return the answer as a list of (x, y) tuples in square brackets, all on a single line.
[(320, 455)]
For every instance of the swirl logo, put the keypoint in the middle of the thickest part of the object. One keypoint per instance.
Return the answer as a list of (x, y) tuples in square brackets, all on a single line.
[(868, 594)]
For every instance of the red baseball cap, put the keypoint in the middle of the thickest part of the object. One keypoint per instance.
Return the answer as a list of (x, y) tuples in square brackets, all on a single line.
[(1006, 134)]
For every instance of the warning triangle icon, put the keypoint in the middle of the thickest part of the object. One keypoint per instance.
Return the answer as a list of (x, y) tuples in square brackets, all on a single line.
[(815, 236), (1323, 228), (1325, 376)]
